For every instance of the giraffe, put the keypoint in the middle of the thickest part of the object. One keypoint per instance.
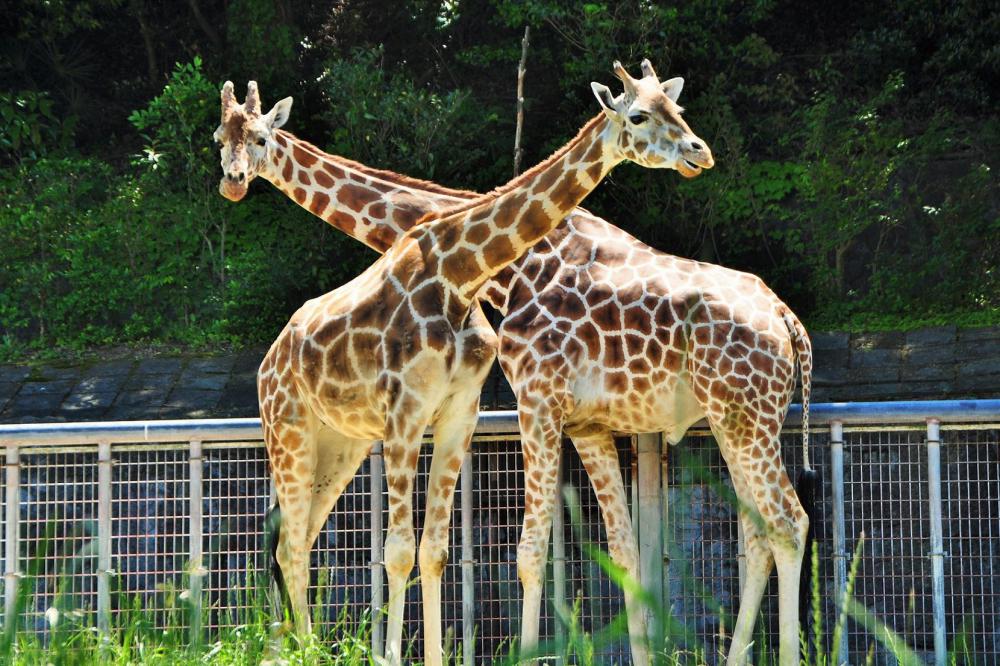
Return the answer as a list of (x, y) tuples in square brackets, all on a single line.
[(393, 350)]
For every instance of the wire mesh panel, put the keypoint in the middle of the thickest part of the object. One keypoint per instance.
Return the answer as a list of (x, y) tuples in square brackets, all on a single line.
[(970, 476), (58, 537), (498, 507), (340, 582), (235, 497), (150, 510), (885, 496)]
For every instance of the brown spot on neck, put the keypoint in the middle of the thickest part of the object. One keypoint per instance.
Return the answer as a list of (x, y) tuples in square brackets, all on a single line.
[(304, 158)]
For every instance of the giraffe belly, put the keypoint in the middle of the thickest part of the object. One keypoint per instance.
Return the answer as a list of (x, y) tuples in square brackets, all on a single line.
[(670, 408)]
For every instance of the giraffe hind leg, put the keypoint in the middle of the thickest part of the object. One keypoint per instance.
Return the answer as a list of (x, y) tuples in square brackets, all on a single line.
[(784, 525)]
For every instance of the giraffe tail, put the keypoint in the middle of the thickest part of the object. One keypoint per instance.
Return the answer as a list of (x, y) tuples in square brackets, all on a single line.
[(272, 530), (808, 484)]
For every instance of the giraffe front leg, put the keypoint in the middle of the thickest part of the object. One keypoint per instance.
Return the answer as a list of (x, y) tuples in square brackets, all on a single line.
[(401, 453), (600, 459), (541, 435), (452, 435)]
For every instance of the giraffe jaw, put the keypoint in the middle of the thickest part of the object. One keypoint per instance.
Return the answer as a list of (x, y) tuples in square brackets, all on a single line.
[(688, 169), (232, 191)]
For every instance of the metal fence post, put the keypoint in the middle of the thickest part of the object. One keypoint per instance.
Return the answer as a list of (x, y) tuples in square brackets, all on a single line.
[(11, 573), (650, 525), (839, 530), (665, 521), (468, 566), (103, 536), (376, 551), (559, 552), (937, 538), (196, 568)]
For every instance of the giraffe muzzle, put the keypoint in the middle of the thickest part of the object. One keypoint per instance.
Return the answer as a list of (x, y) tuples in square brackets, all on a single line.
[(233, 189), (694, 158)]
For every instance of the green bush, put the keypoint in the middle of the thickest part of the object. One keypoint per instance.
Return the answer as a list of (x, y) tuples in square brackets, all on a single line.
[(385, 120)]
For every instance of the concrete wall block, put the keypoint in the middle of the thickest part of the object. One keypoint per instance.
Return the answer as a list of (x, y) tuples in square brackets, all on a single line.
[(981, 334), (829, 340), (929, 354), (878, 357), (989, 365), (935, 335), (878, 340), (972, 351), (919, 372)]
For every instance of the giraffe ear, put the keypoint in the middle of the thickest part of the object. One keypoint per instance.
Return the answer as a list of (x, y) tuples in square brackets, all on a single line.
[(278, 115), (608, 103), (673, 87)]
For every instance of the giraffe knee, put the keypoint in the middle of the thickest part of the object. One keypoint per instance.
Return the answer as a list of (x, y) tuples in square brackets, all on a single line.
[(789, 533), (624, 553), (530, 564), (433, 556), (399, 553)]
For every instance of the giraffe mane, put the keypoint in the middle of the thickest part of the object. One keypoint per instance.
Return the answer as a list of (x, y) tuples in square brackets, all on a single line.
[(381, 174), (519, 180)]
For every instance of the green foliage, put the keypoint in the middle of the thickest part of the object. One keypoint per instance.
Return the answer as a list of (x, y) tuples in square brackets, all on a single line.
[(177, 128), (386, 120), (30, 127), (855, 146)]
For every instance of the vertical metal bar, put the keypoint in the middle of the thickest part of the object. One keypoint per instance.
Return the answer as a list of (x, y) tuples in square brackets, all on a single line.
[(11, 572), (196, 568), (103, 536), (376, 551), (650, 526), (468, 566), (839, 531), (937, 538), (665, 521), (559, 552)]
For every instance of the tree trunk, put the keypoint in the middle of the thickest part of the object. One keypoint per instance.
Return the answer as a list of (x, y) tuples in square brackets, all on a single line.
[(138, 11), (205, 26), (520, 102)]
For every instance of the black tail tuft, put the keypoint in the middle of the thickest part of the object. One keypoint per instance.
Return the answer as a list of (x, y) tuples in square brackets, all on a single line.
[(272, 530), (808, 486)]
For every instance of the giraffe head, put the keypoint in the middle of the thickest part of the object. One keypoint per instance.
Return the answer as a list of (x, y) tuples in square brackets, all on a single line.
[(246, 138), (647, 124)]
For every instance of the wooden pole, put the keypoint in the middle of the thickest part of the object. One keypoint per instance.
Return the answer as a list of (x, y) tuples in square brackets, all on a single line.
[(520, 101)]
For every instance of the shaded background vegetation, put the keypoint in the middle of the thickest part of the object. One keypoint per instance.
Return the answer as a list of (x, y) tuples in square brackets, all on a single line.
[(856, 145)]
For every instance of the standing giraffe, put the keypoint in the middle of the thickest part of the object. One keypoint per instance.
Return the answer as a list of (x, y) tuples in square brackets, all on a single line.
[(394, 350)]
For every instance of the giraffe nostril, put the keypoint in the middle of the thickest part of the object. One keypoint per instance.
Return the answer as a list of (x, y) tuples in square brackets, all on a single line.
[(242, 176), (697, 146)]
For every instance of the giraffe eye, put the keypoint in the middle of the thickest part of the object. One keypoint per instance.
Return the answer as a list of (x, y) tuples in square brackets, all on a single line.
[(261, 141), (218, 144), (637, 118)]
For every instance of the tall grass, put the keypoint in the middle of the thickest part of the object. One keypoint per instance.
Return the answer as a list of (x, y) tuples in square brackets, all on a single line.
[(140, 635)]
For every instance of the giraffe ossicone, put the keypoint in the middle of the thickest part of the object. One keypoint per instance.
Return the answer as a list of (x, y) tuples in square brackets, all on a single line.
[(590, 312)]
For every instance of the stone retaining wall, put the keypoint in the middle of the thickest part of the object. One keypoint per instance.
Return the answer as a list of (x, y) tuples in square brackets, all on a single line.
[(932, 363)]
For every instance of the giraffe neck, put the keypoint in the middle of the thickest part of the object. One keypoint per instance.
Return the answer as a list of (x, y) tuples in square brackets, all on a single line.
[(372, 206), (480, 239)]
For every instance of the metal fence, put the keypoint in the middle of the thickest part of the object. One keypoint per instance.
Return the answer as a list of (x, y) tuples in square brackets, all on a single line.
[(169, 513)]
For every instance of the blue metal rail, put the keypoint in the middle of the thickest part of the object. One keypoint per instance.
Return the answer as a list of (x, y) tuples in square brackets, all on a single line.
[(209, 430)]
